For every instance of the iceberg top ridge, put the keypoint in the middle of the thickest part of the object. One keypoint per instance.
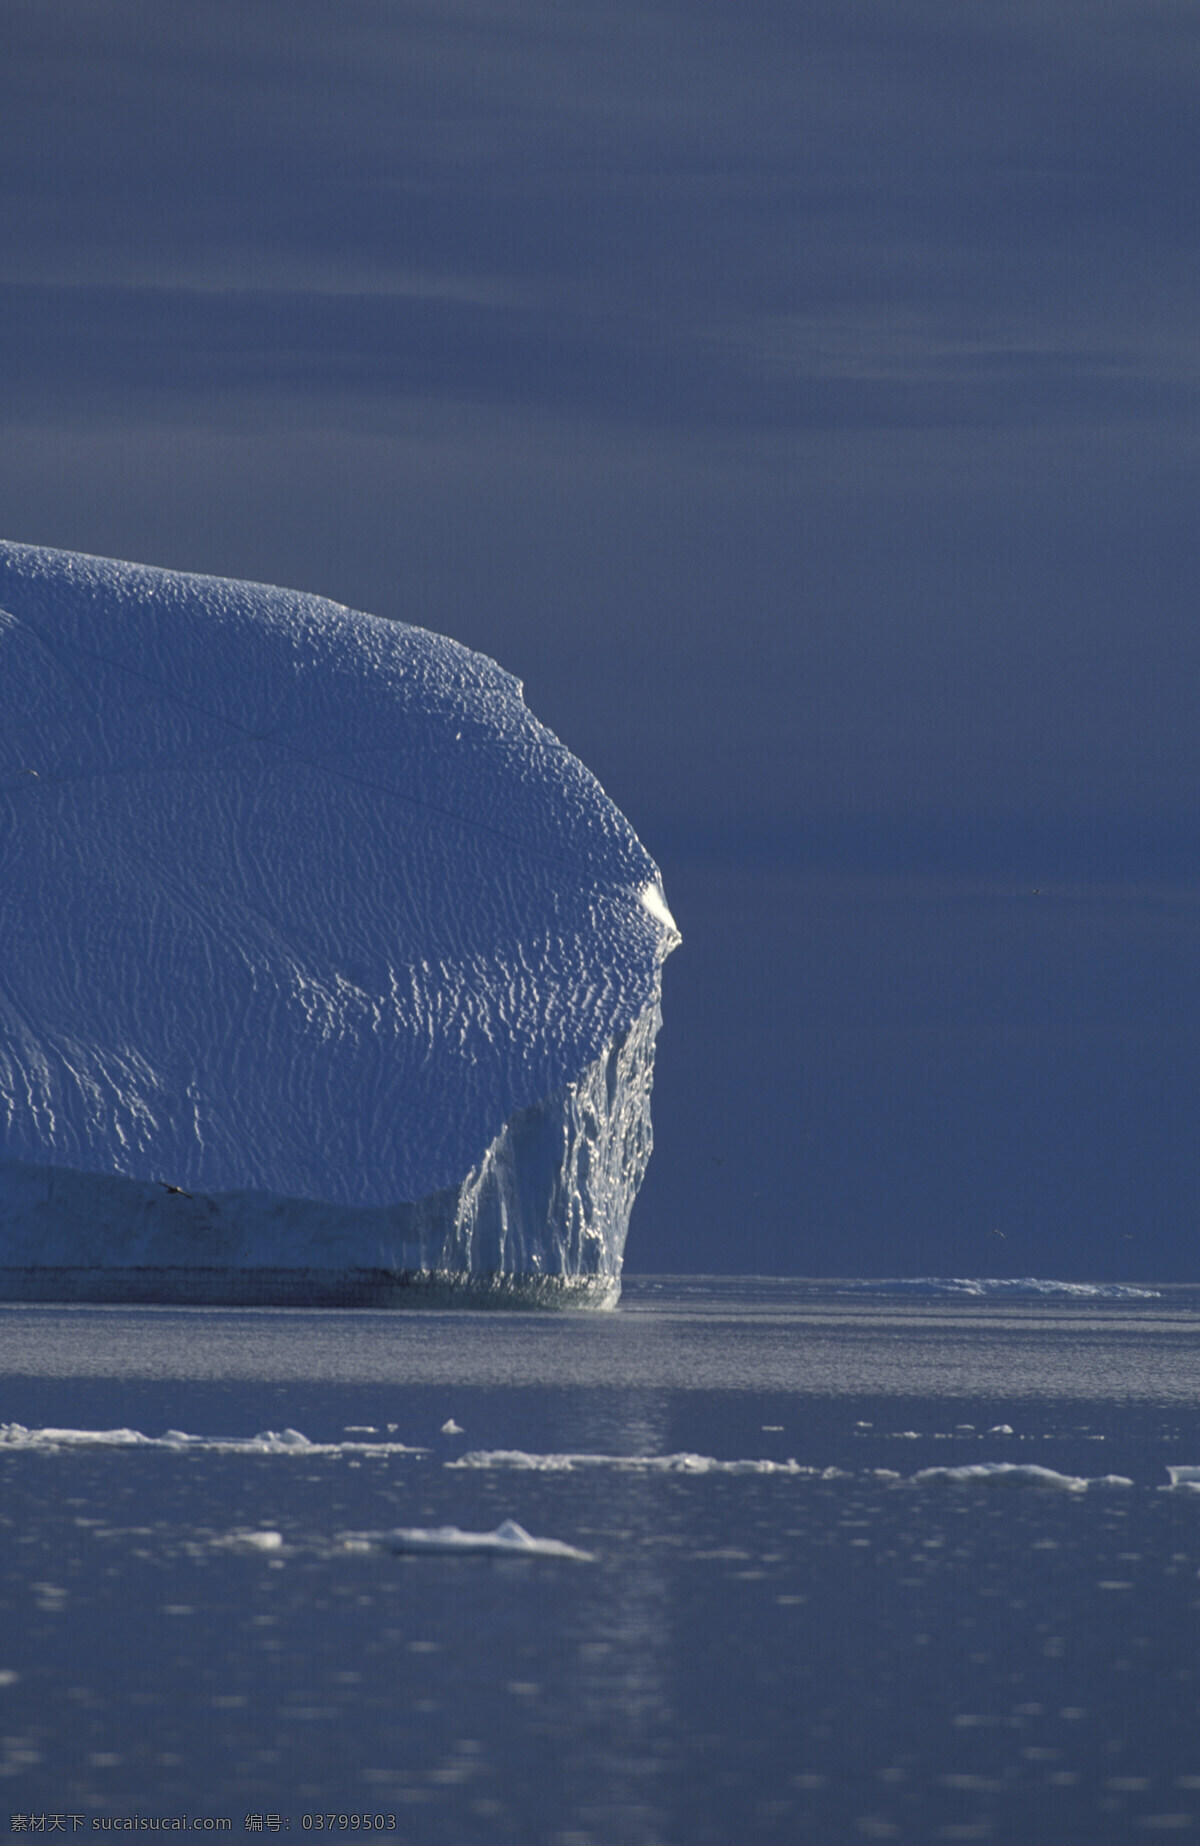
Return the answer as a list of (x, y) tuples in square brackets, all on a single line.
[(292, 898), (202, 643)]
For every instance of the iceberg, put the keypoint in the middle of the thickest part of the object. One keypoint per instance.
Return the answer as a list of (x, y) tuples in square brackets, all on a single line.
[(328, 976)]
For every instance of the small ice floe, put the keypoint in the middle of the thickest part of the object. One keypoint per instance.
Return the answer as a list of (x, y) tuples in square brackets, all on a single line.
[(451, 1428), (683, 1463), (1183, 1480), (1001, 1288), (266, 1442), (259, 1540), (508, 1541), (1017, 1474)]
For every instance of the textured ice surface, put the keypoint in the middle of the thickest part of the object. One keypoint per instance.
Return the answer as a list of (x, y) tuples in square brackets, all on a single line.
[(319, 955)]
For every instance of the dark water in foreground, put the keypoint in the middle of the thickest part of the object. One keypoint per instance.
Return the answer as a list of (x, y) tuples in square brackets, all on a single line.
[(750, 1655)]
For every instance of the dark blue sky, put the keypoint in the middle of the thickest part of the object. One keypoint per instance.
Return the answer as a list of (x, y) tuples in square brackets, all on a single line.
[(803, 399)]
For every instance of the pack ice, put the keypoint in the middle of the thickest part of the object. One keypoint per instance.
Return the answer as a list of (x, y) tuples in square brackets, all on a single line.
[(327, 974)]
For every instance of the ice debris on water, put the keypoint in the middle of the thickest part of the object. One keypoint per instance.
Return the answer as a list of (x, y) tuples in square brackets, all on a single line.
[(451, 1428), (266, 1442), (682, 1463), (1183, 1478), (331, 975)]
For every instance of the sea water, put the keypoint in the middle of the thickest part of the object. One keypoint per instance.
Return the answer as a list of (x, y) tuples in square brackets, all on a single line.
[(741, 1561)]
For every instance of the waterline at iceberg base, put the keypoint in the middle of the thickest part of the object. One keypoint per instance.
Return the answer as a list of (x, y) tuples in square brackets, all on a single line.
[(327, 974)]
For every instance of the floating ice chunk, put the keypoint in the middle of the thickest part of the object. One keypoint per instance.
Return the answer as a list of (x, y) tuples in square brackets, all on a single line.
[(330, 975), (258, 1540), (508, 1540), (267, 1442), (1017, 1474), (451, 1428), (682, 1463), (1184, 1478), (16, 1436)]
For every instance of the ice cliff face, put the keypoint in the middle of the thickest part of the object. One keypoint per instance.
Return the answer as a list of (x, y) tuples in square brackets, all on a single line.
[(304, 915)]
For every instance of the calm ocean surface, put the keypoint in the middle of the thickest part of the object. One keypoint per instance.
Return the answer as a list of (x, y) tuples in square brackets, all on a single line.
[(830, 1645)]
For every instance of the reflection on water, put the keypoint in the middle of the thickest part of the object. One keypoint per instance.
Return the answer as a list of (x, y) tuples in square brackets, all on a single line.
[(969, 1611), (621, 1683)]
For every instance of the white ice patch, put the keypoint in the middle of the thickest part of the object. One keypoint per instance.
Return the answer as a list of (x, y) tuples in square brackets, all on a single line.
[(508, 1540), (267, 1442), (654, 900), (257, 1540), (682, 1463), (1017, 1474)]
